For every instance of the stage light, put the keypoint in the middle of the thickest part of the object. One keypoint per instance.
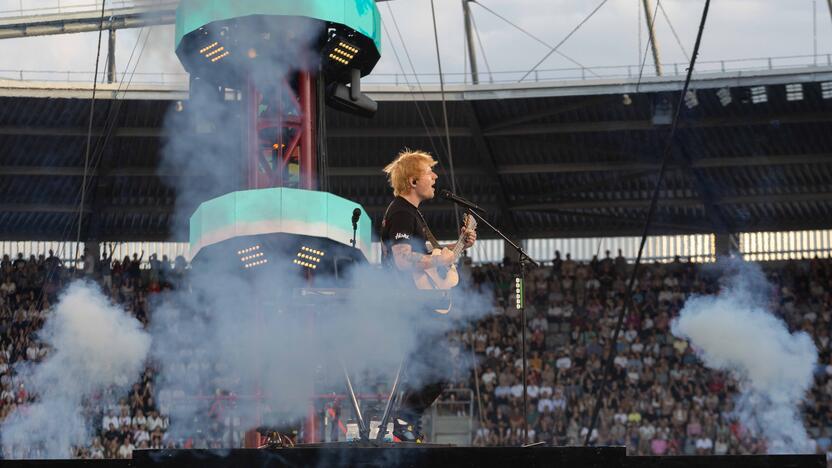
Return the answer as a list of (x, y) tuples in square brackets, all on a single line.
[(626, 99), (691, 100), (662, 112), (759, 95), (311, 266), (221, 56), (252, 257), (208, 47), (794, 92), (724, 95), (340, 51), (518, 293), (308, 257), (826, 89), (250, 249), (252, 53), (257, 263), (214, 52), (312, 251)]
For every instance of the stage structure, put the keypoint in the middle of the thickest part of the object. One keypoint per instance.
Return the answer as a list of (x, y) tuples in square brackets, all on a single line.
[(276, 65)]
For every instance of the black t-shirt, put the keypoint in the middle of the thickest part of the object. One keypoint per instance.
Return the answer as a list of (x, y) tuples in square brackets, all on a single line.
[(403, 224)]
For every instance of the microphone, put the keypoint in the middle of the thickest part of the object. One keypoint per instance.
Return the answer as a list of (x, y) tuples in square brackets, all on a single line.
[(356, 213), (448, 195)]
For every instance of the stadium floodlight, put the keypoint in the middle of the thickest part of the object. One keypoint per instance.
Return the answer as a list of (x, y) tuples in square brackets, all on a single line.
[(691, 100), (724, 95), (759, 95), (794, 92), (826, 89)]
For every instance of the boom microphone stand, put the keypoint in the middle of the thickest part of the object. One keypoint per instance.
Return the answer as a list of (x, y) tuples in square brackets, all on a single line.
[(520, 303)]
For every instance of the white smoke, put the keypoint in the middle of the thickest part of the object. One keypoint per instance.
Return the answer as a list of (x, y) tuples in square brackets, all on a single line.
[(236, 332), (95, 345), (734, 331)]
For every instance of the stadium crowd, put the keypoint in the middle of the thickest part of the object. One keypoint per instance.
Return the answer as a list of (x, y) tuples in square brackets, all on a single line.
[(661, 399)]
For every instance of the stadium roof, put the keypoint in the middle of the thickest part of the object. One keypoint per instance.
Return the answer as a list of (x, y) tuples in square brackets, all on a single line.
[(560, 159)]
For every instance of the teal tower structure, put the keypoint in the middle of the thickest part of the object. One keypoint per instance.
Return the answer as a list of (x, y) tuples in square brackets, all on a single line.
[(273, 68)]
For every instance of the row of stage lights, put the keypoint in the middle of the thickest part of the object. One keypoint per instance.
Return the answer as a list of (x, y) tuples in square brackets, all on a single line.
[(754, 94), (214, 53), (254, 264), (246, 256), (308, 257), (343, 52), (251, 257), (518, 293)]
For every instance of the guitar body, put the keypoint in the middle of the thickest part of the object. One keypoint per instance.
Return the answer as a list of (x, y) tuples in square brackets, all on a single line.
[(437, 278), (444, 278)]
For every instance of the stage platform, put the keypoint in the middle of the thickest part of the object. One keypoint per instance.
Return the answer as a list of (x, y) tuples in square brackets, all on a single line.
[(409, 456)]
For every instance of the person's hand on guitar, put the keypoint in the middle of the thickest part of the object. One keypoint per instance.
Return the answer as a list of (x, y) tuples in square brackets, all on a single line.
[(470, 237), (445, 258)]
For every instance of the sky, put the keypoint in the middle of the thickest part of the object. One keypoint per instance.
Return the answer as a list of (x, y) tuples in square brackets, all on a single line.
[(735, 29)]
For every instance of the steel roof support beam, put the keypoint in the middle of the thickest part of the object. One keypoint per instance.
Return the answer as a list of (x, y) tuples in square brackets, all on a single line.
[(421, 132), (514, 169), (86, 21)]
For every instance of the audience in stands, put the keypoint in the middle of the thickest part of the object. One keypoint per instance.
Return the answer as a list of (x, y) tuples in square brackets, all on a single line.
[(661, 400)]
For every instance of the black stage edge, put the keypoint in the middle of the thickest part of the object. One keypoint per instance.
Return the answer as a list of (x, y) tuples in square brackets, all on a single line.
[(726, 461), (401, 455), (391, 455)]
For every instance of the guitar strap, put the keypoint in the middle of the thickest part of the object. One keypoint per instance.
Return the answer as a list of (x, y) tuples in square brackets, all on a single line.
[(429, 237)]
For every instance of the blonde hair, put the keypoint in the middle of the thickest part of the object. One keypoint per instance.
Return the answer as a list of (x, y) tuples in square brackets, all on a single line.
[(406, 167)]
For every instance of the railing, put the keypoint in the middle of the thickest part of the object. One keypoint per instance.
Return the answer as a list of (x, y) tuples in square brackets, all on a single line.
[(609, 72), (460, 405), (547, 75), (27, 8), (157, 78)]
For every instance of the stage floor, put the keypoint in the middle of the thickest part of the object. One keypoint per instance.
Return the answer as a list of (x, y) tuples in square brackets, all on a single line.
[(400, 455)]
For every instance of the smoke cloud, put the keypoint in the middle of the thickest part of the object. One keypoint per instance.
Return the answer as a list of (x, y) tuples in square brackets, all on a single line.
[(234, 350), (734, 331), (95, 345)]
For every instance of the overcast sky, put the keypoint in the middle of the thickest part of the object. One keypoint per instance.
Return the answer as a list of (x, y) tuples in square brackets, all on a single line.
[(735, 29)]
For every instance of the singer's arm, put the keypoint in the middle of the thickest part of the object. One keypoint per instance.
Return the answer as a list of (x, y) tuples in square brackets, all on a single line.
[(408, 260)]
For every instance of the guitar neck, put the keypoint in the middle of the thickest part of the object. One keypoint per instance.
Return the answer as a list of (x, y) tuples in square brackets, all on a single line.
[(460, 244)]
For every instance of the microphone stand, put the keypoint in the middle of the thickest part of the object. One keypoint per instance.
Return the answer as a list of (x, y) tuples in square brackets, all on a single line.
[(520, 281), (354, 230)]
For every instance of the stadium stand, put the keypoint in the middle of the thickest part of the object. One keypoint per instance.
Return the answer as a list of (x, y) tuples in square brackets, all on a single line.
[(663, 401)]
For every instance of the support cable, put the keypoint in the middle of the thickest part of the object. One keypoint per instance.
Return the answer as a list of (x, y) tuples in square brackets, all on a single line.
[(109, 125), (651, 212), (527, 33), (573, 31), (89, 129), (673, 30), (431, 119)]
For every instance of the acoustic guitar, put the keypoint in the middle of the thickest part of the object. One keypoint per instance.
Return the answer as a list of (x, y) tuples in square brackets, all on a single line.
[(442, 277)]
